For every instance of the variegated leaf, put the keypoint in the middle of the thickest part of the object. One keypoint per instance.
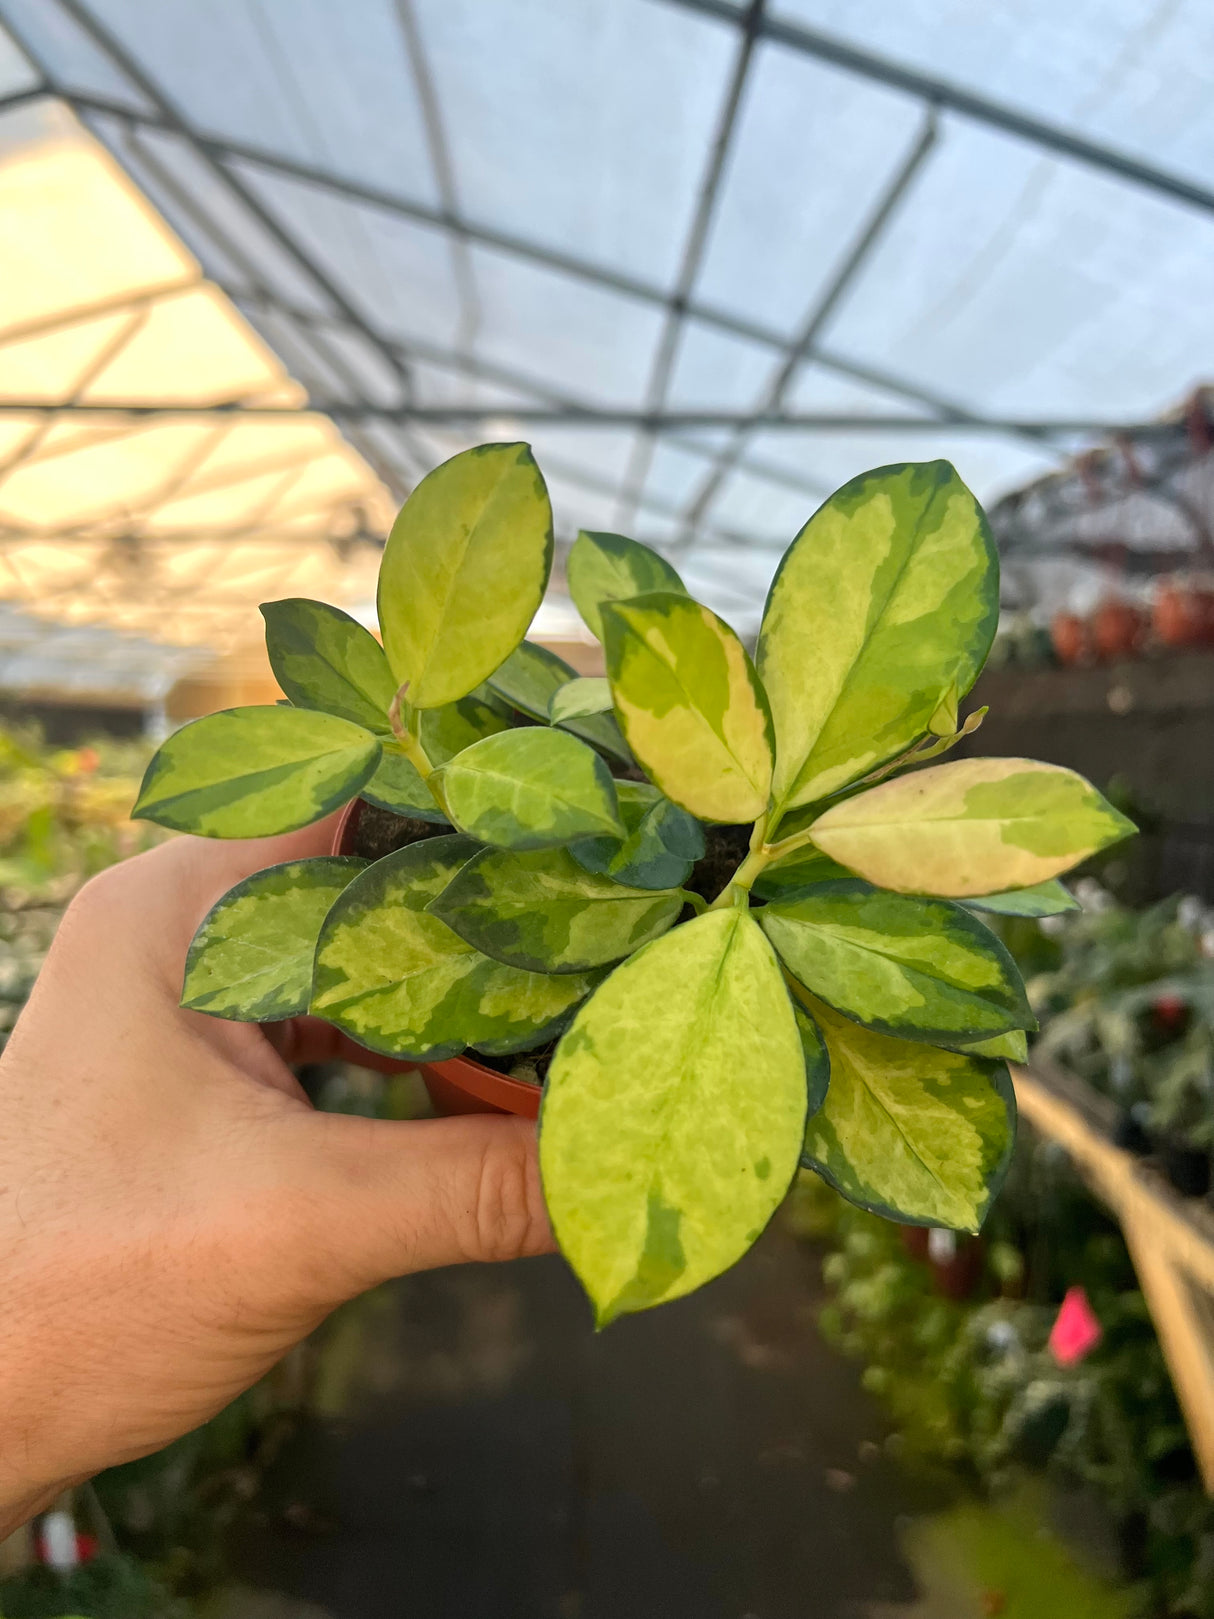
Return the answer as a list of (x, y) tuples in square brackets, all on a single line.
[(251, 958), (446, 731), (673, 1115), (322, 658), (400, 982), (919, 968), (968, 828), (662, 845), (796, 874), (396, 786), (1010, 1047), (443, 732), (580, 698), (528, 681), (610, 567), (817, 1058), (910, 1131), (530, 789), (252, 772), (884, 607), (464, 570), (541, 911), (690, 705), (1043, 899), (530, 677)]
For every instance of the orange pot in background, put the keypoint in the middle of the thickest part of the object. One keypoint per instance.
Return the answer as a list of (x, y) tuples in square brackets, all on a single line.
[(1118, 628), (1072, 643), (1177, 614)]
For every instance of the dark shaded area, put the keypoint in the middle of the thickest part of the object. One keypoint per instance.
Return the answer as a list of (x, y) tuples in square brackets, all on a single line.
[(709, 1460), (380, 832), (66, 725), (725, 849), (1144, 726)]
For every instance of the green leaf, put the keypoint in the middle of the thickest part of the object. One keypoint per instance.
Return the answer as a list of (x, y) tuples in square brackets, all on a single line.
[(673, 1115), (543, 912), (817, 1058), (690, 705), (796, 874), (444, 732), (610, 567), (884, 606), (662, 845), (252, 772), (399, 981), (530, 789), (580, 698), (970, 827), (322, 658), (919, 968), (396, 786), (464, 570), (1010, 1047), (251, 958), (1043, 899), (529, 679), (910, 1131)]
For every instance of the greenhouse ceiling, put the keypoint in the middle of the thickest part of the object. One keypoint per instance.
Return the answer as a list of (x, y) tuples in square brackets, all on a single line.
[(711, 259)]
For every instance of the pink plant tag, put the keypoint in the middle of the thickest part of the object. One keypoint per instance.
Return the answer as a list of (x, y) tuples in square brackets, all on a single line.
[(1076, 1332)]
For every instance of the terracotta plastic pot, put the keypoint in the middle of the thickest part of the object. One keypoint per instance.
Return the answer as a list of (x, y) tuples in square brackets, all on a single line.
[(1070, 636), (460, 1085), (1117, 629), (1177, 615)]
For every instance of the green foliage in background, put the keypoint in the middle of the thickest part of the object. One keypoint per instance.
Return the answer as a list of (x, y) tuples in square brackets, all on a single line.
[(970, 1381), (703, 1034), (64, 815)]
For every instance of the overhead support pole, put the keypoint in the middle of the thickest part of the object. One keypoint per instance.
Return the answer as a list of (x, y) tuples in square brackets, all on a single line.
[(815, 323), (523, 248), (671, 421), (950, 97), (693, 256), (444, 171)]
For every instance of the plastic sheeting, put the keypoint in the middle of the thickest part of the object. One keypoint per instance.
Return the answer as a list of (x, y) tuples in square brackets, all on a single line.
[(493, 203)]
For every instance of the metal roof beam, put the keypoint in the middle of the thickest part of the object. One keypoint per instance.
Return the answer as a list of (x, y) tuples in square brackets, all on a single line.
[(670, 421), (226, 151), (816, 321), (980, 109), (694, 247)]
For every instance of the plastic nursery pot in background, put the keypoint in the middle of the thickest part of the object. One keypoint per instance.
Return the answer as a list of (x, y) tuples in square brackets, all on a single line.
[(1183, 612), (460, 1085), (1071, 638), (1118, 629)]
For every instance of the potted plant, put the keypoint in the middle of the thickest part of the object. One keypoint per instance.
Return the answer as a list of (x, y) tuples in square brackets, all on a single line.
[(710, 902)]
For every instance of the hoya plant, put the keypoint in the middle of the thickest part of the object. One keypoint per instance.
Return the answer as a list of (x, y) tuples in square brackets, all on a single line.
[(728, 904)]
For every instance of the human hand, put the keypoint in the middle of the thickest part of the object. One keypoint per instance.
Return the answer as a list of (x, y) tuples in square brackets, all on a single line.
[(174, 1215)]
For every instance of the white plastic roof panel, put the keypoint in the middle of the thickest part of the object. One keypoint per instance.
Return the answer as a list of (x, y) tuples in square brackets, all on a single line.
[(1137, 73), (623, 229), (587, 122), (812, 148)]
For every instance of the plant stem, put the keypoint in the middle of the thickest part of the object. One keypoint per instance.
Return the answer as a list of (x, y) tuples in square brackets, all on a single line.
[(738, 886), (403, 720)]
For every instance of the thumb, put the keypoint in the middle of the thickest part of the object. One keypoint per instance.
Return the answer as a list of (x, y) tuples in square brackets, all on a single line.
[(388, 1198)]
